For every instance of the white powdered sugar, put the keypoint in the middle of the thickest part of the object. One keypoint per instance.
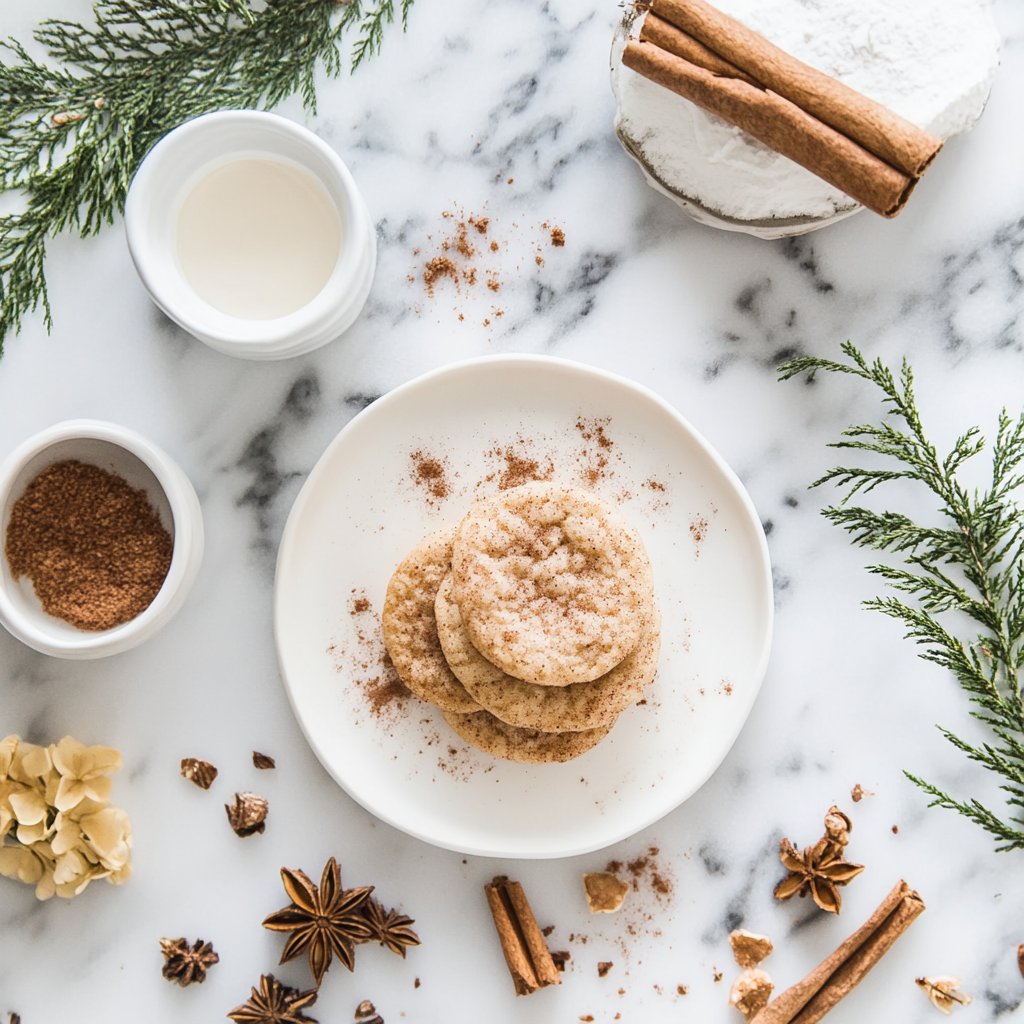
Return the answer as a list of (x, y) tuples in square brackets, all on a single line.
[(932, 61)]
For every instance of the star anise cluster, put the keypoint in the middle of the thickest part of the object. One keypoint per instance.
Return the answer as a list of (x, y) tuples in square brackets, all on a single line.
[(187, 964), (274, 1003), (820, 869), (328, 921)]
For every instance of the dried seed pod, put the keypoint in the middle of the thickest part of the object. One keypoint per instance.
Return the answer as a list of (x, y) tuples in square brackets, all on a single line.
[(248, 816), (749, 949), (263, 761), (604, 892), (187, 964), (202, 773)]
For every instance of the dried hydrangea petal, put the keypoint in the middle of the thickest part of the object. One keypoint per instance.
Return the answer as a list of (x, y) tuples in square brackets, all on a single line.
[(109, 833), (8, 748)]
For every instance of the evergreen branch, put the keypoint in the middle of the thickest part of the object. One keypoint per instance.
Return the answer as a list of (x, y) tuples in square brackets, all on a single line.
[(74, 129), (974, 565)]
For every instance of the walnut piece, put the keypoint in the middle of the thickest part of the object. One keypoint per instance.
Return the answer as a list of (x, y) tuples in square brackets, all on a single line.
[(749, 949), (750, 992), (604, 892), (202, 773), (263, 761), (248, 816), (943, 993), (603, 967)]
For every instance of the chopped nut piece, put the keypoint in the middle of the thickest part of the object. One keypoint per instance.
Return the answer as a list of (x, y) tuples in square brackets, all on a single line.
[(365, 1009), (943, 992), (248, 816), (561, 957), (838, 826), (858, 793), (604, 892), (185, 964), (603, 967), (750, 992), (202, 773), (749, 949), (547, 931), (262, 760), (529, 961), (681, 990)]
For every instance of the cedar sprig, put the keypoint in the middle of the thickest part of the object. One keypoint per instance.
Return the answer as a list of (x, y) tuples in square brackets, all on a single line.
[(973, 564), (75, 127)]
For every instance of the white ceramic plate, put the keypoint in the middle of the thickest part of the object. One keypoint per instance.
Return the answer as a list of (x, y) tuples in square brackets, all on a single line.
[(371, 498)]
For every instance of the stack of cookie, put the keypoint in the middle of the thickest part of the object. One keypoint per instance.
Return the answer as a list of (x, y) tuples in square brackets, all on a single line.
[(532, 625)]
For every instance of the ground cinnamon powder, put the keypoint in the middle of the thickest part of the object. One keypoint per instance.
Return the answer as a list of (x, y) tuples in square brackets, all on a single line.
[(92, 545)]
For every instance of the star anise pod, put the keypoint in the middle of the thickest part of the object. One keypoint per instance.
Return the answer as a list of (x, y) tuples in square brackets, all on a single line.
[(818, 870), (327, 921), (185, 964), (274, 1003), (390, 929)]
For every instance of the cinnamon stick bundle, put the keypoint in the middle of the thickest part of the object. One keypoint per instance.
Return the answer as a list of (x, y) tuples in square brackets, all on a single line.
[(837, 975), (529, 961), (781, 125), (878, 129), (850, 141)]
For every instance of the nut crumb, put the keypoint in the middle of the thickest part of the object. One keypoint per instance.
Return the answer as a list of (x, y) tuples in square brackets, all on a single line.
[(604, 892), (858, 793), (547, 931), (895, 830), (202, 773), (249, 814), (717, 974), (603, 967), (681, 990), (557, 237), (416, 983), (560, 958), (748, 948), (750, 992)]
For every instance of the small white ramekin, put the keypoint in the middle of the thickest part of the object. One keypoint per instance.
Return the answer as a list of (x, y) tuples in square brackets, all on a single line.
[(169, 173), (143, 465)]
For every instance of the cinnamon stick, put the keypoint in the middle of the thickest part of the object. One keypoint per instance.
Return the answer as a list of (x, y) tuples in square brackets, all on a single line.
[(879, 130), (664, 34), (781, 125), (529, 961), (837, 975)]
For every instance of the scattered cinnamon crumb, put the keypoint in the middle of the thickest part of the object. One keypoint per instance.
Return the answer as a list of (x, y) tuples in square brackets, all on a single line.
[(557, 237), (539, 260), (653, 484), (547, 931), (717, 974), (493, 283), (589, 1016), (360, 605), (438, 267), (698, 530), (681, 990), (895, 829), (510, 180), (480, 223), (429, 472), (494, 246), (603, 967), (560, 958), (416, 983)]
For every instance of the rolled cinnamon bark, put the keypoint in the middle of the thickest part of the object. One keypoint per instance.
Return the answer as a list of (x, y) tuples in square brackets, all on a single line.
[(837, 975), (878, 129), (664, 34), (780, 124)]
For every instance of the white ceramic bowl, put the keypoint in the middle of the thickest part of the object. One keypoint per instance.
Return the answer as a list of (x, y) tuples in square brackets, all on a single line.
[(143, 465), (169, 173)]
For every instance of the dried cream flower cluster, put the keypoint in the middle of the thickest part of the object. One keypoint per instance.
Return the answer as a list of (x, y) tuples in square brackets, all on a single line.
[(56, 830)]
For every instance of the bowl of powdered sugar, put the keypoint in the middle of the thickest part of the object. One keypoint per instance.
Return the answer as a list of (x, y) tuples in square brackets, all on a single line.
[(103, 537), (931, 61)]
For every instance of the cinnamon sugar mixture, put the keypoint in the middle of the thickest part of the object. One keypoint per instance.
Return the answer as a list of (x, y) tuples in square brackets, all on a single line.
[(92, 545)]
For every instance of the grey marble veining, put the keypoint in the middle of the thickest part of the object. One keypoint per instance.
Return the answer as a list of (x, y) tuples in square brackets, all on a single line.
[(475, 95)]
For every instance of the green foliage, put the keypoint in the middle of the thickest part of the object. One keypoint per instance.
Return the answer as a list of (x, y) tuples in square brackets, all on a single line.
[(973, 564), (74, 129)]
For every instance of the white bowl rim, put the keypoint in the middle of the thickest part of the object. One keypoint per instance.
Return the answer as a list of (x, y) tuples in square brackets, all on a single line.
[(165, 471), (272, 336), (289, 540)]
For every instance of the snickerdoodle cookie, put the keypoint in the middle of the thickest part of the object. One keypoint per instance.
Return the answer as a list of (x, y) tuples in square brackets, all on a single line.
[(573, 708), (554, 585), (410, 633), (529, 746)]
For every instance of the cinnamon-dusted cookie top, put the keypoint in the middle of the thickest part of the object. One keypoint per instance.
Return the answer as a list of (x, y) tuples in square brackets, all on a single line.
[(554, 585), (528, 746), (572, 708), (410, 633)]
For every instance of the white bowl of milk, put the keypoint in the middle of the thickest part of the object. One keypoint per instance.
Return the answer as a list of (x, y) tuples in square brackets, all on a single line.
[(249, 232)]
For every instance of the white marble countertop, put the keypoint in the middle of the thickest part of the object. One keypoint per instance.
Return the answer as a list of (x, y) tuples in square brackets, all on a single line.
[(504, 110)]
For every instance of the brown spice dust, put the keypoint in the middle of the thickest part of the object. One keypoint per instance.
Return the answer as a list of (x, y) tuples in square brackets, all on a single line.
[(92, 545)]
